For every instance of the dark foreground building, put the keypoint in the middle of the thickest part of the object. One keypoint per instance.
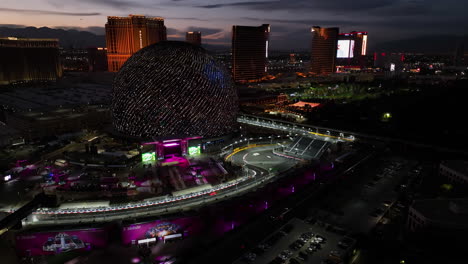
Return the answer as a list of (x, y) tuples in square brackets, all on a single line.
[(249, 53), (193, 37), (324, 47), (29, 60), (97, 59), (173, 89)]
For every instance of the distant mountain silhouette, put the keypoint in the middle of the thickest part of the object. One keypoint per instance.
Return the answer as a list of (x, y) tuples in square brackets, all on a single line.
[(425, 44), (67, 38)]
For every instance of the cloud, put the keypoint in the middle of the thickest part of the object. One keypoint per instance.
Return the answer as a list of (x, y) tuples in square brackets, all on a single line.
[(241, 4), (187, 18), (305, 5), (307, 22), (175, 34), (116, 4), (46, 12), (12, 26)]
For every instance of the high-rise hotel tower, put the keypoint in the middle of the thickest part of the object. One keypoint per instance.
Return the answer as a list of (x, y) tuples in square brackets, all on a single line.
[(127, 35), (324, 47), (250, 53)]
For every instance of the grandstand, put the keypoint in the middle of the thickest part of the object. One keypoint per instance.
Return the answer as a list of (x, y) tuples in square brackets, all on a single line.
[(304, 148)]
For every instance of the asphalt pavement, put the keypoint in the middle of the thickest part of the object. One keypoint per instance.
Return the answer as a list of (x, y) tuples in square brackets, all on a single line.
[(352, 207), (299, 227)]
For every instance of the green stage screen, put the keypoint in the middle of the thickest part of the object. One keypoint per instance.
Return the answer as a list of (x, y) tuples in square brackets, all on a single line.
[(149, 156), (195, 150)]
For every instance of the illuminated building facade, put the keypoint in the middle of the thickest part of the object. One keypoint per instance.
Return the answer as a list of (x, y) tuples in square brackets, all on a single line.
[(292, 58), (324, 46), (250, 53), (352, 49), (173, 89), (25, 60), (193, 37), (127, 35)]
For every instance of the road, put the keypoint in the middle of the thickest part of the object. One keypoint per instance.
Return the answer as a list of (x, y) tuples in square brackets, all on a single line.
[(295, 129), (256, 177), (16, 193), (264, 159)]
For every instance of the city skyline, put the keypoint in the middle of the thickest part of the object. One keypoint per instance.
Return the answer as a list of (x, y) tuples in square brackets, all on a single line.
[(385, 21)]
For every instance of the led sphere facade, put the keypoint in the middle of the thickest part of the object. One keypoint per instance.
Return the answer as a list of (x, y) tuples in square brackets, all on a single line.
[(173, 89)]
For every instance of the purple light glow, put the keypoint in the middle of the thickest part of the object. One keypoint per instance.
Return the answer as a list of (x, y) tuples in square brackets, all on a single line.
[(171, 144)]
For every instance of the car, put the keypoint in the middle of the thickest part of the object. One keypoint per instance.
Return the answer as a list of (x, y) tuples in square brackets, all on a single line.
[(264, 246), (311, 220), (285, 254), (321, 238), (294, 261), (311, 249), (343, 245), (250, 256), (277, 260), (302, 256), (294, 246), (387, 203)]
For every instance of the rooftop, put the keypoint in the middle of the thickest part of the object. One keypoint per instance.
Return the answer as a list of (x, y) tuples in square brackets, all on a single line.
[(460, 166), (304, 104), (448, 212), (39, 98)]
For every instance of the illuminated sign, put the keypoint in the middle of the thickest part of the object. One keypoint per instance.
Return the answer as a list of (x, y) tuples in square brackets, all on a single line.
[(195, 150), (345, 49), (266, 49), (171, 144), (364, 45), (149, 156), (392, 67)]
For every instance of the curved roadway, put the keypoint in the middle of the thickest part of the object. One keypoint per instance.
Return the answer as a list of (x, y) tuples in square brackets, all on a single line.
[(256, 160)]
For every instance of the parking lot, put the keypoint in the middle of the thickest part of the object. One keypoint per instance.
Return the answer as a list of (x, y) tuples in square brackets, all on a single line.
[(362, 205), (300, 242)]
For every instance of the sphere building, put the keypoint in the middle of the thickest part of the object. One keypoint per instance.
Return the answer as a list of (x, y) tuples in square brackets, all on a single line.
[(173, 89)]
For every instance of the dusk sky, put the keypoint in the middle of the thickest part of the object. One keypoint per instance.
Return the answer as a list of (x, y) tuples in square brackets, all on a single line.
[(290, 19)]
